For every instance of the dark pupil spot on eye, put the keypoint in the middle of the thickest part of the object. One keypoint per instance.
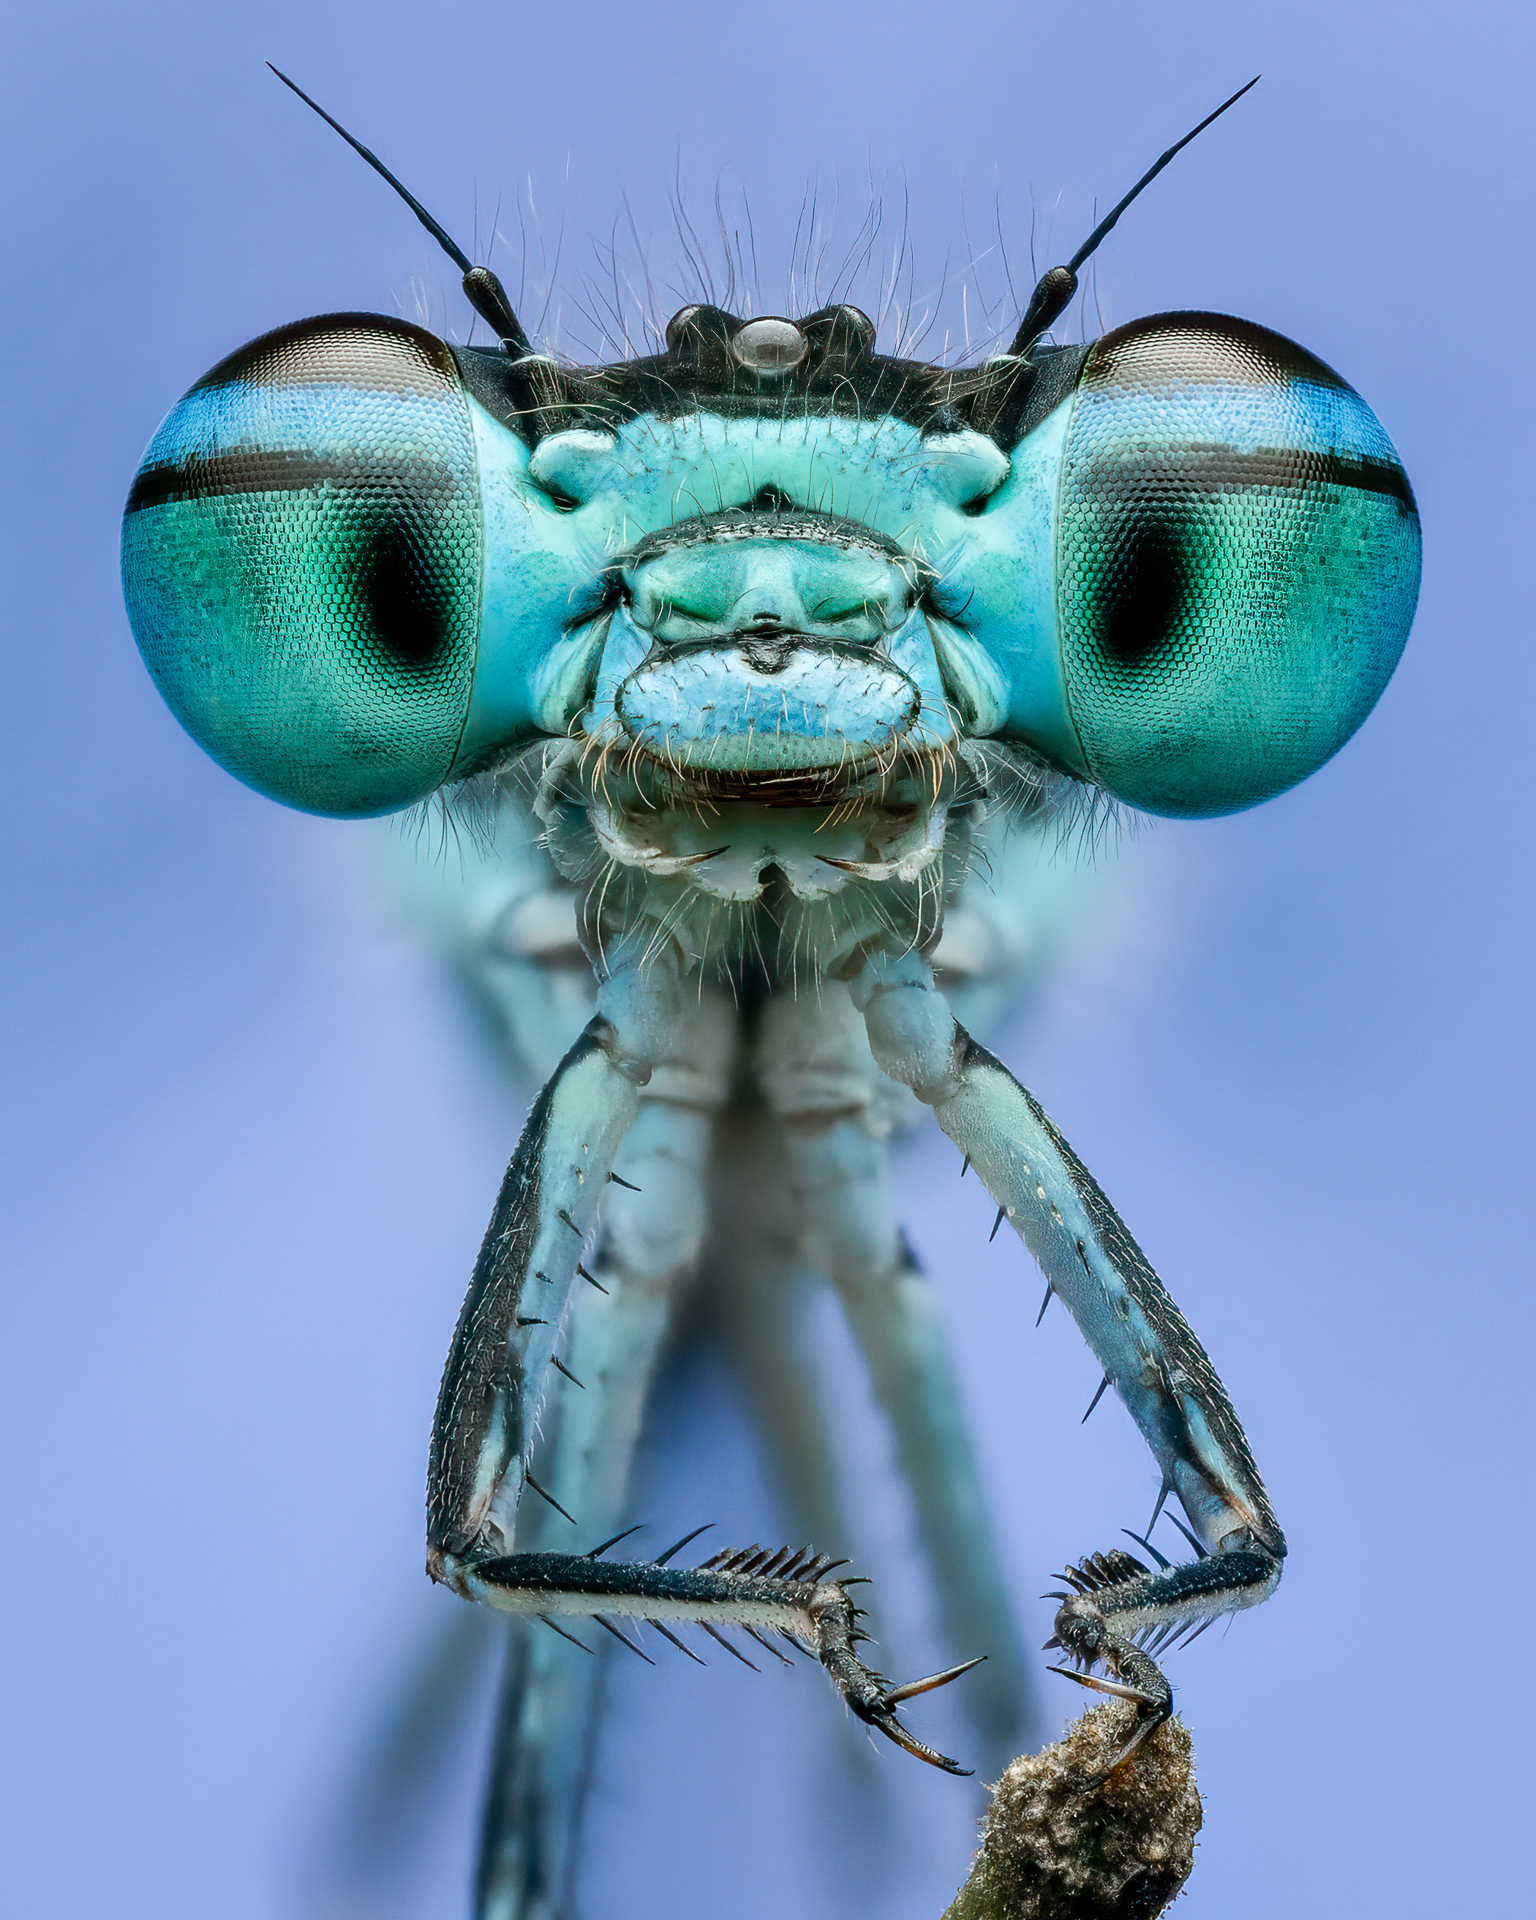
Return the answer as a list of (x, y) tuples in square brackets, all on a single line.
[(407, 611), (1143, 596)]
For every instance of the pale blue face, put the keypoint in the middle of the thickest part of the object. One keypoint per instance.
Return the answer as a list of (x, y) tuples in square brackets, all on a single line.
[(1186, 579)]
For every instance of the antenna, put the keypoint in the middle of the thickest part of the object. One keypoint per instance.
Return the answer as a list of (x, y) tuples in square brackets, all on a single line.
[(482, 289), (1057, 285)]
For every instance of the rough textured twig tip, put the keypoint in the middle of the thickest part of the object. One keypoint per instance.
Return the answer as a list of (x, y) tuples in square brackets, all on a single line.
[(1051, 1851)]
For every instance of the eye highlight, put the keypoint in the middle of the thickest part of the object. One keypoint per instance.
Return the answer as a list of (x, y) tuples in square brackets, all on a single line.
[(1237, 561)]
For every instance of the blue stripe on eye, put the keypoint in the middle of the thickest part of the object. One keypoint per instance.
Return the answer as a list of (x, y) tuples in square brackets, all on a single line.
[(316, 421), (1302, 414)]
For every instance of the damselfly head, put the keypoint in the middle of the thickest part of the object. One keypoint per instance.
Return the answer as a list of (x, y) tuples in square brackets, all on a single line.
[(771, 565)]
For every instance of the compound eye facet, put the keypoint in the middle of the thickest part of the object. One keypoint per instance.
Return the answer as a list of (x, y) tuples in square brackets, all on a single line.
[(1237, 562), (302, 563)]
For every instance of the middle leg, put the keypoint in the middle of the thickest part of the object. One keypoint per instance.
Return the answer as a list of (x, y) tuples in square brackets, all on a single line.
[(837, 1113)]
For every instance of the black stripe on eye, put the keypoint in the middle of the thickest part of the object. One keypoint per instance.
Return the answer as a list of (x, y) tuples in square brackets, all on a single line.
[(1213, 468), (279, 470)]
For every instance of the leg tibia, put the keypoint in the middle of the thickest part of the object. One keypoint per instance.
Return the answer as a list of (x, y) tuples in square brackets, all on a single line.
[(1140, 1338), (759, 1593), (1120, 1613), (1116, 1593), (504, 1345), (1146, 1348)]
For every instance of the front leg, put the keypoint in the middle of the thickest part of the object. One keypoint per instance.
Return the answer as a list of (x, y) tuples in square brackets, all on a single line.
[(1146, 1348), (506, 1340), (511, 1321)]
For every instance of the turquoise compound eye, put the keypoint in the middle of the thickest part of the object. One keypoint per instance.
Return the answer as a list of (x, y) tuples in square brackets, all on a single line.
[(1237, 562), (302, 557)]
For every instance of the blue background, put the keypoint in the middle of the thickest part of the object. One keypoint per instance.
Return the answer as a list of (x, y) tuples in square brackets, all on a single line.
[(249, 1149)]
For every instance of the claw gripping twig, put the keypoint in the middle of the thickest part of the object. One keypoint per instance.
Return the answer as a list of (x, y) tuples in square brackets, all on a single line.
[(1119, 1613), (754, 1589)]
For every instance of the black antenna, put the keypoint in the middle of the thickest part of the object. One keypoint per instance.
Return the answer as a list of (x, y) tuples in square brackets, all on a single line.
[(482, 289), (1057, 285)]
